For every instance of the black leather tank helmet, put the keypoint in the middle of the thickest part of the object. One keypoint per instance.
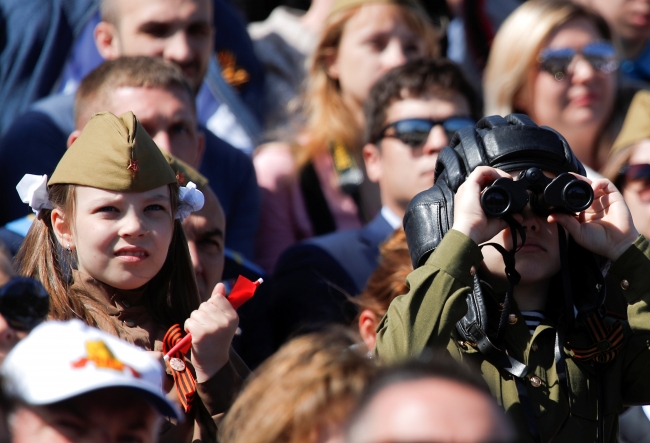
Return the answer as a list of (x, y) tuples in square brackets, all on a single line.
[(510, 144)]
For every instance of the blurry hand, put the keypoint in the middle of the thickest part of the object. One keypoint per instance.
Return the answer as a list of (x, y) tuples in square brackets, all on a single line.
[(213, 326), (606, 227), (469, 217)]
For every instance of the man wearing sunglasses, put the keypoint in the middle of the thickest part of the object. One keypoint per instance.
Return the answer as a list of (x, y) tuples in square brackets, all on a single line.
[(411, 113)]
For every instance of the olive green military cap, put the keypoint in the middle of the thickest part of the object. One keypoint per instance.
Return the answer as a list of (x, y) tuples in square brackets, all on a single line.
[(637, 123), (340, 5), (185, 173), (115, 154)]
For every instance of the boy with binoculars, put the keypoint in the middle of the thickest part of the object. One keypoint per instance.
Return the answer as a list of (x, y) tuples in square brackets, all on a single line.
[(517, 258)]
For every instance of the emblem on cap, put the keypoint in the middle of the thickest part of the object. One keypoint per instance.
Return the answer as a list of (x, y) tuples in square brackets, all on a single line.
[(177, 364), (133, 167), (99, 354)]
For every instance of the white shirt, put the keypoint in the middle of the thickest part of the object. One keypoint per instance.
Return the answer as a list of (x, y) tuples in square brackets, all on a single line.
[(394, 220)]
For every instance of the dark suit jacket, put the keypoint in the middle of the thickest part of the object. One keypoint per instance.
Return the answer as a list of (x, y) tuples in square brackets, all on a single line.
[(309, 288)]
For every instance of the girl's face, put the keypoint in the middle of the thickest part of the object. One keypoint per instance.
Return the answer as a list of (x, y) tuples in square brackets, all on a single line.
[(374, 40), (636, 191), (582, 98), (120, 238)]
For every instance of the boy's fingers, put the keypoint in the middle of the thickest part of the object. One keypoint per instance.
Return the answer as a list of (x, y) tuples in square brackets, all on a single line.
[(568, 222)]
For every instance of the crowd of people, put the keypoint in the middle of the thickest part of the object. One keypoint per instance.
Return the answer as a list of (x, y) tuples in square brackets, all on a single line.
[(444, 205)]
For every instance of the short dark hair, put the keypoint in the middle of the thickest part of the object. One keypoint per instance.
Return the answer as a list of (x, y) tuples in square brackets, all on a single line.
[(415, 79), (137, 72)]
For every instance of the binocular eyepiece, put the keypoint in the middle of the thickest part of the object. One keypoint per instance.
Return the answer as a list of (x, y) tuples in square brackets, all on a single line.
[(564, 193)]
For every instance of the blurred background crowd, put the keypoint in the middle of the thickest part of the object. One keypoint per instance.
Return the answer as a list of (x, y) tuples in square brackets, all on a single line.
[(310, 126)]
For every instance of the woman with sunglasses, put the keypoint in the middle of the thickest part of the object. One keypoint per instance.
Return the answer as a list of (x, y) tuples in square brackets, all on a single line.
[(553, 60), (629, 163), (315, 184)]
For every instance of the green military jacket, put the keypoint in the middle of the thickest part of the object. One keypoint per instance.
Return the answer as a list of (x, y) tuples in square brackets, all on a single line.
[(427, 315)]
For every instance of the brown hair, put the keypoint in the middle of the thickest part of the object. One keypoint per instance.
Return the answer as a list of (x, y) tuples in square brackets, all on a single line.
[(328, 119), (414, 79), (170, 296), (136, 72), (389, 279), (313, 381)]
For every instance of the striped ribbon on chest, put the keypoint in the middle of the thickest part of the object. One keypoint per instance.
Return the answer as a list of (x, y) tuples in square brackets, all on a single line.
[(183, 378), (608, 340)]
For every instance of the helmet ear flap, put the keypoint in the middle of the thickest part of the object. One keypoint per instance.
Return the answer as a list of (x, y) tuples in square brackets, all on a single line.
[(430, 215)]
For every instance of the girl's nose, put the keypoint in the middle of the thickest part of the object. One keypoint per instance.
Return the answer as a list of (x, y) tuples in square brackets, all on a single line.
[(132, 225), (394, 55), (531, 222)]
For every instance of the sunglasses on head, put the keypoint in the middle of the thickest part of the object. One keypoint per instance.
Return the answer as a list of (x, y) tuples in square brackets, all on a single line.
[(414, 132), (557, 61), (24, 303)]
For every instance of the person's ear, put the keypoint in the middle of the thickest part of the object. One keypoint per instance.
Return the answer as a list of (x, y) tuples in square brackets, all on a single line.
[(107, 40), (61, 228), (372, 159), (368, 322), (200, 139), (330, 61), (72, 137)]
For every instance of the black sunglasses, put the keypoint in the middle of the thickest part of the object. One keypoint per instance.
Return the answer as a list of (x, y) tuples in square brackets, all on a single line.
[(24, 303), (414, 132), (557, 61), (635, 172)]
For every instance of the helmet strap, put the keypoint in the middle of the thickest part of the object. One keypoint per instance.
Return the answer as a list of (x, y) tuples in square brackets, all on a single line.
[(511, 273)]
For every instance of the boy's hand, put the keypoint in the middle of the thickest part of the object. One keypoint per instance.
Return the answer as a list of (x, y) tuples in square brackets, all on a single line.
[(606, 227), (469, 217), (213, 326)]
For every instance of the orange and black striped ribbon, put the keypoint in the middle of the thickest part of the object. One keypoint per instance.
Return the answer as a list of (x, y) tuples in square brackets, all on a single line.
[(184, 380), (608, 340)]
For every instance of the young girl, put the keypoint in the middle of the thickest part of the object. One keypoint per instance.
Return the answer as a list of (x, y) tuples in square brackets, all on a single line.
[(557, 361), (109, 248)]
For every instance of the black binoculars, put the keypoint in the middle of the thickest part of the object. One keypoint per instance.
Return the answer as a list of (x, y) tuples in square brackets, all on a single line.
[(564, 193)]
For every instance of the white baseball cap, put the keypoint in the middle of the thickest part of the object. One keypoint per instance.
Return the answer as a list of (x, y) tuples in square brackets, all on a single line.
[(60, 360)]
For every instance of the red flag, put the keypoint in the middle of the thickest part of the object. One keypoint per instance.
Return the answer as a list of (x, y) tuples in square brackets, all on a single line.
[(243, 291)]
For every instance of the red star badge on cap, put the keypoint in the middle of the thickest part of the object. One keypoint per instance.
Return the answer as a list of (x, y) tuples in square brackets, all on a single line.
[(133, 167)]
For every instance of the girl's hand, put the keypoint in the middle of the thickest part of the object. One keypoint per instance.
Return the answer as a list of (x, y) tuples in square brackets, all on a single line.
[(469, 217), (606, 227), (213, 326)]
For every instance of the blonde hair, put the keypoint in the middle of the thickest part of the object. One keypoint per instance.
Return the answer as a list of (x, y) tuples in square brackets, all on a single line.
[(328, 119), (311, 383), (516, 46), (170, 296)]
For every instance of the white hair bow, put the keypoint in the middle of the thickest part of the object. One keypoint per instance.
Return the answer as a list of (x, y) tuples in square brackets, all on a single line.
[(192, 200), (33, 191)]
